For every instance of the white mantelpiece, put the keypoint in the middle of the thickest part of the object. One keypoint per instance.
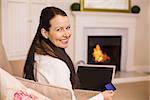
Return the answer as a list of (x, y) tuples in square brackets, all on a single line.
[(85, 21)]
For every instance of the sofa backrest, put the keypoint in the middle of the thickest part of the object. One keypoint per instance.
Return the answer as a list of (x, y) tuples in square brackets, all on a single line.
[(4, 63)]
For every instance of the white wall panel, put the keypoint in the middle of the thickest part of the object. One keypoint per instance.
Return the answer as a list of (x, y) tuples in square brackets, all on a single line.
[(35, 11), (16, 39), (20, 19)]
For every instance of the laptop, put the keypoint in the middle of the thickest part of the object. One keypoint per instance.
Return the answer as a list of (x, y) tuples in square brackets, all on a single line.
[(95, 77)]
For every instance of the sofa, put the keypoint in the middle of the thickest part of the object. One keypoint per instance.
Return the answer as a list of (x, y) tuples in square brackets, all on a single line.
[(49, 91)]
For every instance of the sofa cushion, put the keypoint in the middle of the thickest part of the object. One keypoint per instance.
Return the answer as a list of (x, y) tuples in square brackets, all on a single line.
[(12, 89), (4, 64), (53, 92)]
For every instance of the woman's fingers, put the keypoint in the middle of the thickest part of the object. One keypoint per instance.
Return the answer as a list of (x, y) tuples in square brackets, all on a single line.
[(108, 94)]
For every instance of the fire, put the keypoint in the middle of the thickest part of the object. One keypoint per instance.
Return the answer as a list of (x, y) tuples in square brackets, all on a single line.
[(98, 54)]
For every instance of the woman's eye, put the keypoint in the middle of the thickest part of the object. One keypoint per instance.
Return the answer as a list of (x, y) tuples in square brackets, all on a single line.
[(57, 29), (68, 27), (60, 29)]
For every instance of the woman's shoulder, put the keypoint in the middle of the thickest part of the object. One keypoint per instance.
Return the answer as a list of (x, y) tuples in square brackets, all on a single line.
[(48, 59), (42, 57)]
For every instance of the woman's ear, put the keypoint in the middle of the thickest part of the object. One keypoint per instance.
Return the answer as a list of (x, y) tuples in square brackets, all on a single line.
[(44, 33)]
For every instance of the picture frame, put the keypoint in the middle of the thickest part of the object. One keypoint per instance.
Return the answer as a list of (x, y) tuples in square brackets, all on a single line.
[(106, 5)]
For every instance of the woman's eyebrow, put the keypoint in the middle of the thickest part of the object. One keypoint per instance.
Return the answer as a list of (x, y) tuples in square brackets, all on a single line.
[(58, 27), (62, 26)]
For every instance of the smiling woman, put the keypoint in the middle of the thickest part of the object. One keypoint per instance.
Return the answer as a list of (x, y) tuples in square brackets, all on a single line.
[(47, 61)]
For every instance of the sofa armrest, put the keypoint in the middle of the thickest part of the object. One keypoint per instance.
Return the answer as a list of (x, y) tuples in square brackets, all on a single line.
[(17, 67), (84, 94), (53, 92)]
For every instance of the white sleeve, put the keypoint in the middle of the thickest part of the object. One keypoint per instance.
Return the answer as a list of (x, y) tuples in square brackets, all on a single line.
[(55, 72)]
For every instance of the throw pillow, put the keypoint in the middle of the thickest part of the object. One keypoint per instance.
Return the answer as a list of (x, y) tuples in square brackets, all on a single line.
[(12, 89)]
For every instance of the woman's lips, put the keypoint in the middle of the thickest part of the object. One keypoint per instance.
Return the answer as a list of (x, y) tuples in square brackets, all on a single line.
[(64, 41)]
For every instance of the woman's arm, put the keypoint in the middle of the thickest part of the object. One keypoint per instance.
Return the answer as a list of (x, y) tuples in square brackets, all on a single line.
[(54, 71)]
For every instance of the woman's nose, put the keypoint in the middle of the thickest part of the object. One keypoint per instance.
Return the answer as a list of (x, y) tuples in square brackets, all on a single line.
[(67, 33)]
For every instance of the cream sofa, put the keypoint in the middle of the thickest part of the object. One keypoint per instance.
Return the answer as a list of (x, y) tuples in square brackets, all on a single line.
[(53, 92)]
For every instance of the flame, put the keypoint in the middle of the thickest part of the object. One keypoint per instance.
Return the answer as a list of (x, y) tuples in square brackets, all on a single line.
[(98, 54)]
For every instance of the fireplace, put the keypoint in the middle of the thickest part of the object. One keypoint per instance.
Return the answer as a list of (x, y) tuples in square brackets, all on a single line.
[(114, 32), (112, 42), (104, 50)]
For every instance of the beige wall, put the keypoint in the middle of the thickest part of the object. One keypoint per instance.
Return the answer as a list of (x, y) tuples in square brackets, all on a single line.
[(149, 40), (0, 22), (149, 30), (141, 40)]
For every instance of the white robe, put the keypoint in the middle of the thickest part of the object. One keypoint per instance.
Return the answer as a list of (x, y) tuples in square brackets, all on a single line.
[(54, 71)]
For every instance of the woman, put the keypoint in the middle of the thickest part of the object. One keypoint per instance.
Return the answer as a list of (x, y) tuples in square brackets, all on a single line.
[(47, 61)]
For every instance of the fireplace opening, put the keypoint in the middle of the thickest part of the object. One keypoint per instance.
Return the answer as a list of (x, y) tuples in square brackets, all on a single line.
[(104, 50)]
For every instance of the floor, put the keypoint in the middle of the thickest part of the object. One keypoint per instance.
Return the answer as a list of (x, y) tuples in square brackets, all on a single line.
[(132, 86), (133, 91)]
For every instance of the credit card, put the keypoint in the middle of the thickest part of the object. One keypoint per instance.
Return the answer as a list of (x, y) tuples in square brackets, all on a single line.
[(110, 86)]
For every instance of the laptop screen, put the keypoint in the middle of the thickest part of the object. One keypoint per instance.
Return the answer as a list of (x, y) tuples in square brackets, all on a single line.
[(95, 77)]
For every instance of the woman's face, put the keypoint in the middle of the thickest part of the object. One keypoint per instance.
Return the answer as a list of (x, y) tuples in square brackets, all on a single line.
[(59, 33)]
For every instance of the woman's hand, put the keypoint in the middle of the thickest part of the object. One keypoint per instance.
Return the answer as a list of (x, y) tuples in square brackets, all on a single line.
[(108, 94)]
